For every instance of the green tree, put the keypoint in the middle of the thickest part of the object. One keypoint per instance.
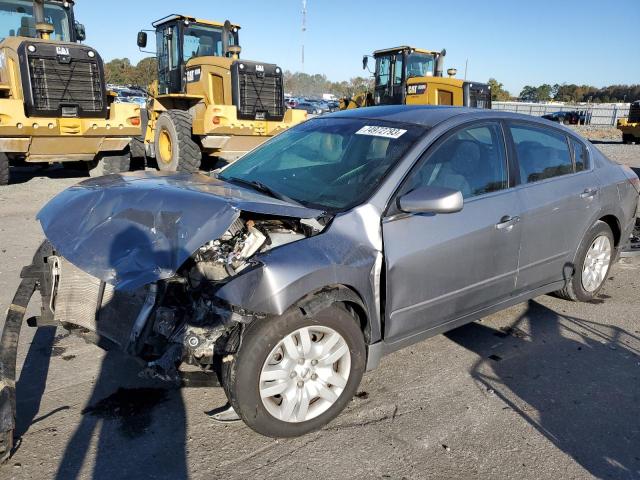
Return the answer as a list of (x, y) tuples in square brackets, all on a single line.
[(119, 71), (498, 93)]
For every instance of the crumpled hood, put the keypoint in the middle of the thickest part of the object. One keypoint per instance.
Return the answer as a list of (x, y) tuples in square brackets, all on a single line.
[(136, 228)]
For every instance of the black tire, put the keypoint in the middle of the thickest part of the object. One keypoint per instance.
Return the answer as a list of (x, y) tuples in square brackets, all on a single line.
[(185, 153), (627, 138), (138, 151), (240, 377), (108, 163), (565, 121), (574, 289), (137, 147), (4, 169)]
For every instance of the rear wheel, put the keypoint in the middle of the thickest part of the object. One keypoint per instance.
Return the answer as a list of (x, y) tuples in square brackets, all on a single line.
[(627, 138), (174, 146), (294, 374), (4, 169), (592, 264), (107, 163)]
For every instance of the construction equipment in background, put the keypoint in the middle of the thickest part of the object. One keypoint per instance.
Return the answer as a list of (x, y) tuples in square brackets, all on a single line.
[(207, 100), (630, 126), (412, 76), (54, 106)]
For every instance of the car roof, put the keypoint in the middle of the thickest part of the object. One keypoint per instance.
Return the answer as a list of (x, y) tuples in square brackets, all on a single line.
[(424, 115), (431, 115)]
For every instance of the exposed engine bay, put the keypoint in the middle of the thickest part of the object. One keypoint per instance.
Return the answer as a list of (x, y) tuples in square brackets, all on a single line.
[(178, 319)]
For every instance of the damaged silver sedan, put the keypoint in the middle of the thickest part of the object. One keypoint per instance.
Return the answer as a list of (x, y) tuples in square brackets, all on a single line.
[(294, 270)]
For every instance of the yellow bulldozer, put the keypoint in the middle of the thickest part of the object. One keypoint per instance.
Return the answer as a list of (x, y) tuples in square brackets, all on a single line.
[(413, 76), (206, 100), (630, 126), (54, 105)]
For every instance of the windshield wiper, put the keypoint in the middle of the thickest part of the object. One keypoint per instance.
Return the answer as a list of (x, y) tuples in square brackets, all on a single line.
[(262, 188)]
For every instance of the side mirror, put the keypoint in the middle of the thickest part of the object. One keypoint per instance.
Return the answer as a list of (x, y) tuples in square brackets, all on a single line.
[(431, 200), (81, 33), (365, 62), (142, 39)]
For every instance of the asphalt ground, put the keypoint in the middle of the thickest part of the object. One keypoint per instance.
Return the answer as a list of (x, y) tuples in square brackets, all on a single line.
[(545, 390)]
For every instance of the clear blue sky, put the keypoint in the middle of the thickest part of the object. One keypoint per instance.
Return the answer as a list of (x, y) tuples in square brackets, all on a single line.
[(542, 41)]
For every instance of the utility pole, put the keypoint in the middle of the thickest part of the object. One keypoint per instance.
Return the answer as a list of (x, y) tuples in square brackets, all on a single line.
[(304, 28)]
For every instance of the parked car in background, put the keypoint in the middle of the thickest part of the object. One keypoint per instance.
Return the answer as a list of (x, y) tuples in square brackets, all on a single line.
[(342, 239), (310, 108), (567, 118)]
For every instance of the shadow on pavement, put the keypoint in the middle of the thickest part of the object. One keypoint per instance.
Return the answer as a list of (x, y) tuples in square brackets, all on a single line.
[(25, 174), (582, 393), (129, 428)]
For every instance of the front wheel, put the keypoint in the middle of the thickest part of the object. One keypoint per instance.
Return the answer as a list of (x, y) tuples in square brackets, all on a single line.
[(294, 374), (174, 146), (592, 264)]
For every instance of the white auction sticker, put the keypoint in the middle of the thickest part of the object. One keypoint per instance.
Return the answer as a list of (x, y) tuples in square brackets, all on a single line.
[(385, 132)]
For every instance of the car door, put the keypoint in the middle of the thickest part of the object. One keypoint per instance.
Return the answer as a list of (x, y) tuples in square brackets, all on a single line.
[(557, 195), (442, 267)]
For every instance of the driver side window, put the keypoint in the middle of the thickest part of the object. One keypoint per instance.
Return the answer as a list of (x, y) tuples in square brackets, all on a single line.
[(472, 160)]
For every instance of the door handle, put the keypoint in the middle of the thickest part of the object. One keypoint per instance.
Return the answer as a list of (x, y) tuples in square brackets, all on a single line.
[(507, 222), (589, 193)]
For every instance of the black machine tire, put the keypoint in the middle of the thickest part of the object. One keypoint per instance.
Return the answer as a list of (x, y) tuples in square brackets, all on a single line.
[(574, 289), (137, 147), (107, 163), (240, 376), (138, 151), (174, 127), (4, 169)]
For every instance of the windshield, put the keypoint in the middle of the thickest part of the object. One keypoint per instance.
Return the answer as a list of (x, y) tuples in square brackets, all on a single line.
[(333, 163), (420, 65), (204, 40), (16, 20)]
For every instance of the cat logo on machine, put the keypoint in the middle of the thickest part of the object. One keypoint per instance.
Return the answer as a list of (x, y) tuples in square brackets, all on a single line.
[(194, 74), (416, 89), (260, 68), (63, 51)]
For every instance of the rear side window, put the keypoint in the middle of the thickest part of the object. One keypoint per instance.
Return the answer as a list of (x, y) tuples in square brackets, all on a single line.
[(580, 155), (542, 153)]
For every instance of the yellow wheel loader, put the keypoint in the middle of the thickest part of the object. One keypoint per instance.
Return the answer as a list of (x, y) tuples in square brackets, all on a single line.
[(413, 76), (54, 106), (206, 100), (630, 126)]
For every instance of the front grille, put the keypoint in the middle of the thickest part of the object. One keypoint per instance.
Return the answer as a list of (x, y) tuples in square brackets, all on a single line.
[(74, 84), (67, 84), (258, 91), (634, 112), (81, 300)]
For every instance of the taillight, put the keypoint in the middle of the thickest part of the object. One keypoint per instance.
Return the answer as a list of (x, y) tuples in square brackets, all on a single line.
[(216, 120), (135, 121), (633, 178)]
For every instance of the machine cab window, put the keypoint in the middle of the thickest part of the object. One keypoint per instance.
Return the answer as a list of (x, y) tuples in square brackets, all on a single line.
[(179, 39), (420, 65), (17, 20)]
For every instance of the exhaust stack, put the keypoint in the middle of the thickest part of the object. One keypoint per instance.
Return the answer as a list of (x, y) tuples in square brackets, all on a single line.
[(43, 28), (440, 63)]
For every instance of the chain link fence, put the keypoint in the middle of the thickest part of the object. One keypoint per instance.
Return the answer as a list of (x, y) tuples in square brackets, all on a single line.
[(590, 114)]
